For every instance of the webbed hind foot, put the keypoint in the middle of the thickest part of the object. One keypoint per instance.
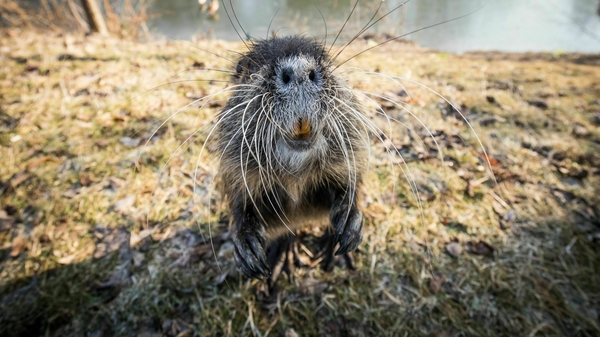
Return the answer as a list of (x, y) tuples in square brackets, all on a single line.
[(282, 258), (328, 255)]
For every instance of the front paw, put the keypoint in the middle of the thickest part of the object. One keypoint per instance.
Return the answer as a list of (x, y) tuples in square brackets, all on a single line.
[(348, 226), (249, 252)]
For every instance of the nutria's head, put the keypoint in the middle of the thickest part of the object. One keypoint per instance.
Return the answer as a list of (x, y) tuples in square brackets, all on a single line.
[(288, 110)]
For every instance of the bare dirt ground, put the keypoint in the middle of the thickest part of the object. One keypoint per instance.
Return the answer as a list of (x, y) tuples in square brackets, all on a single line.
[(105, 209)]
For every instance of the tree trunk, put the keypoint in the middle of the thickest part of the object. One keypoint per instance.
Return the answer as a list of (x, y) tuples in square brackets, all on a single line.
[(94, 16)]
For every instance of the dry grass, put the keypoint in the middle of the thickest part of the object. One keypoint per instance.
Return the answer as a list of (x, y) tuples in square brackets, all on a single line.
[(94, 244), (124, 18)]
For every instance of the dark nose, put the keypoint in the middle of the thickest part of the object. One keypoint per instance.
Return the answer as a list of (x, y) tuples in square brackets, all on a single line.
[(287, 75)]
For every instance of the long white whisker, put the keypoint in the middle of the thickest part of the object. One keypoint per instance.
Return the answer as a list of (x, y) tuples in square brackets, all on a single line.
[(260, 167), (386, 98), (210, 195), (410, 181), (247, 157), (457, 110)]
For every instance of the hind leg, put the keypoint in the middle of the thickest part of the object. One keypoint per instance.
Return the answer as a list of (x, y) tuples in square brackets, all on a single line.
[(327, 254), (282, 258)]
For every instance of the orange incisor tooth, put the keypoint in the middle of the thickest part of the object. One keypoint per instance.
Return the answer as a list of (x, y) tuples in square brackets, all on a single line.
[(302, 128)]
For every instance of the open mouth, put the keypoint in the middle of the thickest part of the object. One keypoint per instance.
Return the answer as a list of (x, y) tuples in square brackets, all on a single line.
[(301, 136)]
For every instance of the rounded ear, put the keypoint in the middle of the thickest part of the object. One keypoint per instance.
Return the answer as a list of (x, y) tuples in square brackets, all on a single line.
[(240, 70), (245, 67)]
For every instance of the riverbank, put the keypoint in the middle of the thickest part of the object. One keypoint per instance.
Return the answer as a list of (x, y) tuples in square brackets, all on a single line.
[(103, 232)]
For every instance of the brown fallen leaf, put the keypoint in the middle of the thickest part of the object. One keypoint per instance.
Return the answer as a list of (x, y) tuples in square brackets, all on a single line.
[(493, 161), (19, 178), (199, 65), (110, 240), (71, 192), (436, 283), (182, 328), (124, 205), (388, 198), (414, 101), (129, 142), (508, 219), (491, 120), (312, 286), (38, 162), (136, 238), (333, 329), (18, 246), (226, 250), (102, 143), (6, 221), (86, 180), (120, 277), (138, 258), (538, 104), (498, 207), (200, 252), (442, 334), (481, 248), (580, 131), (115, 183), (291, 333), (67, 259), (220, 279), (454, 249), (595, 119), (470, 188)]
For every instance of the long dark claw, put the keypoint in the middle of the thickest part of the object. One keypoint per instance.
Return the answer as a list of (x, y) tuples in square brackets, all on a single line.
[(348, 226), (250, 255)]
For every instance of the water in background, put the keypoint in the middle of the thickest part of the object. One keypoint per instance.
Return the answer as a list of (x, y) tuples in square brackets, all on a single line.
[(507, 25)]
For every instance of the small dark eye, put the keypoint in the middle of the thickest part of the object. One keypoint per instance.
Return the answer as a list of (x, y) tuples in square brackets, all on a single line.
[(312, 75), (285, 77)]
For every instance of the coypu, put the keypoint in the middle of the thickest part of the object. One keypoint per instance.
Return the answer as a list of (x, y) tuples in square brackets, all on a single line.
[(294, 147), (293, 150)]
